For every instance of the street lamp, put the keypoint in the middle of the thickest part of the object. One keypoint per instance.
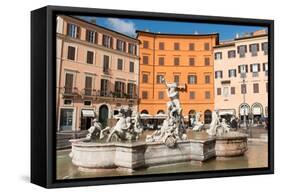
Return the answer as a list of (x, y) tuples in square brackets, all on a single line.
[(244, 103)]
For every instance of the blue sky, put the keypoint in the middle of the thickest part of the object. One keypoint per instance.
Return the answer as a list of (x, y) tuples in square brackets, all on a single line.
[(128, 27)]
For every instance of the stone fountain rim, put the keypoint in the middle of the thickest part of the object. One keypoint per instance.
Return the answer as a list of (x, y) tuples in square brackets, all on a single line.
[(80, 143)]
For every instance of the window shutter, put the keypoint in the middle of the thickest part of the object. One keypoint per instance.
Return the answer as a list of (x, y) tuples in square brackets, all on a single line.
[(250, 47), (239, 69), (251, 68), (238, 48), (124, 47), (259, 68), (67, 29), (235, 73), (246, 68), (263, 66), (216, 75), (78, 32), (221, 74), (229, 73), (258, 47), (111, 42), (96, 37), (245, 48)]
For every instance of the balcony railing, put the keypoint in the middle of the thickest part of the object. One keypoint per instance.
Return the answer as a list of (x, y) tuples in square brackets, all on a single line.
[(69, 91)]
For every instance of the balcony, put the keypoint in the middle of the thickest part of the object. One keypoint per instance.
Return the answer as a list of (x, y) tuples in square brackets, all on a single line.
[(88, 93), (255, 74), (69, 92)]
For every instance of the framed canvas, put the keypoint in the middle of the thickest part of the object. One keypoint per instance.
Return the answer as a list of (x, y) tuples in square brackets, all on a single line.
[(128, 96)]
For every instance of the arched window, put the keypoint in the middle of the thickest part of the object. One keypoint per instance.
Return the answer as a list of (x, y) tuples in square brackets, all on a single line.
[(144, 112), (207, 116), (160, 112)]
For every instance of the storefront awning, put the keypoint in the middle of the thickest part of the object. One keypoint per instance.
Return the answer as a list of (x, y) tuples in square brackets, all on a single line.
[(227, 112), (88, 113)]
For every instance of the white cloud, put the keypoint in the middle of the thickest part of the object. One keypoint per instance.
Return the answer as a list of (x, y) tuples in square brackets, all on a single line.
[(122, 26)]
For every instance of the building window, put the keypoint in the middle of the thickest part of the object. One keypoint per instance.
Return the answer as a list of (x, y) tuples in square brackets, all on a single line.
[(255, 69), (243, 88), (218, 55), (104, 87), (192, 79), (176, 61), (176, 46), (256, 88), (145, 60), (161, 95), (218, 91), (254, 48), (264, 47), (191, 61), (191, 46), (243, 69), (120, 64), (225, 91), (232, 90), (68, 84), (132, 67), (242, 50), (71, 53), (87, 103), (67, 102), (121, 45), (218, 74), (207, 79), (90, 57), (159, 79), (232, 73), (191, 95), (131, 90), (176, 78), (91, 36), (107, 41), (207, 61), (144, 78), (145, 44), (231, 54), (206, 46), (132, 49), (161, 60), (144, 95), (88, 85), (106, 64), (161, 46), (73, 30), (207, 95), (119, 89)]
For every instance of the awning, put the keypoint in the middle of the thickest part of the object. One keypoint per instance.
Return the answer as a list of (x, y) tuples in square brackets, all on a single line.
[(160, 116), (88, 113), (146, 116), (227, 112)]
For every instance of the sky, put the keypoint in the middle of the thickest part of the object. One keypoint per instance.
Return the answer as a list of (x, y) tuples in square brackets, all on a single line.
[(129, 26)]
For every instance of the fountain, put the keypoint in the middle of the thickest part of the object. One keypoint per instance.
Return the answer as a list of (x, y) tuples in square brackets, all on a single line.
[(121, 147)]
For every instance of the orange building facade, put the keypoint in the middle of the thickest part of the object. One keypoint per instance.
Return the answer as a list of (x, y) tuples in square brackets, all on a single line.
[(183, 58)]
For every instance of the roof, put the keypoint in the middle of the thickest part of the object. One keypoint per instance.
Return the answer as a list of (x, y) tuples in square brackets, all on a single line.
[(102, 27), (174, 34)]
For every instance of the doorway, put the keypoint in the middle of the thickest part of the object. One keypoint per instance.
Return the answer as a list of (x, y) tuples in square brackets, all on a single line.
[(103, 115)]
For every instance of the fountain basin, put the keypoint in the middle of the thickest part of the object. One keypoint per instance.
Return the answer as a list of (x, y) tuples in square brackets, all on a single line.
[(231, 144), (131, 156), (92, 156)]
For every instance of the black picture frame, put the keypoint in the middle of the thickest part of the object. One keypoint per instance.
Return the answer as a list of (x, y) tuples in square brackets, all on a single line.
[(43, 84)]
